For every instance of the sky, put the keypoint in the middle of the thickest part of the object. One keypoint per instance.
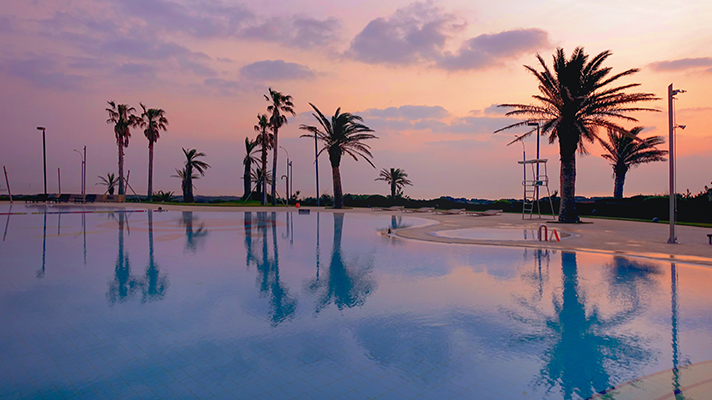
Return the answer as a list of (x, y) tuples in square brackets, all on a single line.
[(426, 76)]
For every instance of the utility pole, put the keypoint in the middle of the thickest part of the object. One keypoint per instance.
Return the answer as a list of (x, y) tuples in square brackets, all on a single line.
[(44, 157), (671, 127)]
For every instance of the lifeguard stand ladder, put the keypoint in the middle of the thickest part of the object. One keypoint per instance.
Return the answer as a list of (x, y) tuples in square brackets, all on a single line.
[(532, 187)]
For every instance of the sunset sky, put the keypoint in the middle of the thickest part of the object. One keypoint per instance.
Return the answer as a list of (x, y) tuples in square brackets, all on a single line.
[(423, 75)]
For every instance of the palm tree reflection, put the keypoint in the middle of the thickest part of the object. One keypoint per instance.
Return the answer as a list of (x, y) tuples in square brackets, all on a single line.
[(124, 285), (154, 284), (282, 306), (585, 351), (193, 238), (345, 285)]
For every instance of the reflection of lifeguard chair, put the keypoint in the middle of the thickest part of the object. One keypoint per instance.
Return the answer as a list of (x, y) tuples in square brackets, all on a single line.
[(532, 182)]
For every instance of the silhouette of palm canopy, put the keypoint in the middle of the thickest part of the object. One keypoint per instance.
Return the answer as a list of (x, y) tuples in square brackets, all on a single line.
[(265, 139), (575, 101), (624, 150), (250, 158), (340, 134), (154, 121), (280, 104), (396, 178), (123, 118)]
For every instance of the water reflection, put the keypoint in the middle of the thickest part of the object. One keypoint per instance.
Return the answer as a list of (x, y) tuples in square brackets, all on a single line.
[(154, 284), (585, 353), (194, 238), (7, 222), (346, 284), (41, 272), (124, 285), (282, 305)]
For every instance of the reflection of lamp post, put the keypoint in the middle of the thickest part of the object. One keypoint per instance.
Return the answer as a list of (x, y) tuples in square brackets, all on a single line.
[(44, 157), (536, 179), (671, 126)]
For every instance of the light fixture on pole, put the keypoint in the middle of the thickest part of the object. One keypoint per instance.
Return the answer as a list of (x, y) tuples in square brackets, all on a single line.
[(286, 176), (83, 172), (44, 157), (671, 126)]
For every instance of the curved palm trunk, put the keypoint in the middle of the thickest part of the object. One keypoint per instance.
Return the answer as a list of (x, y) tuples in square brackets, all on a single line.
[(567, 209), (618, 185), (393, 191), (264, 169), (121, 168), (247, 182), (150, 170), (274, 169)]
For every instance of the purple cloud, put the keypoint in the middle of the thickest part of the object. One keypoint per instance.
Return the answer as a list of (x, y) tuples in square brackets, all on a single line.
[(489, 50), (407, 112), (682, 64), (43, 72), (136, 70), (418, 31), (305, 33), (276, 70)]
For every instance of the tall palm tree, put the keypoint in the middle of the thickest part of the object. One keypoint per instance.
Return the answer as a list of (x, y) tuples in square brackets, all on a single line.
[(575, 101), (626, 150), (192, 163), (261, 178), (250, 158), (342, 134), (123, 118), (279, 104), (265, 139), (155, 121), (395, 177)]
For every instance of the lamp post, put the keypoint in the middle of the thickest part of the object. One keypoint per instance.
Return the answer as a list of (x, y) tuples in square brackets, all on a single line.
[(671, 127), (44, 157), (316, 162), (536, 179), (83, 172), (286, 176)]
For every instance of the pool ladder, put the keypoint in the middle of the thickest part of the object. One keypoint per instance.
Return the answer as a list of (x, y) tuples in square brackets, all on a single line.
[(546, 233)]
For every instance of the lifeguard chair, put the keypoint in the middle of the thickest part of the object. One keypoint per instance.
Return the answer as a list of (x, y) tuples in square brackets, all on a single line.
[(533, 181)]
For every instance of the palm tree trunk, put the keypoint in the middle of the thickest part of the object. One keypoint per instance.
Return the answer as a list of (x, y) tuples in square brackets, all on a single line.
[(274, 169), (121, 167), (393, 191), (338, 195), (567, 209), (150, 170), (264, 168), (189, 186), (618, 185), (247, 183)]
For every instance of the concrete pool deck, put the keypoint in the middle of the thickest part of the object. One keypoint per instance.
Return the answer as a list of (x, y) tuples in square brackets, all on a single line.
[(616, 237)]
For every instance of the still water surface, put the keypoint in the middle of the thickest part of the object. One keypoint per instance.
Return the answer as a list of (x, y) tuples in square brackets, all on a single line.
[(281, 305)]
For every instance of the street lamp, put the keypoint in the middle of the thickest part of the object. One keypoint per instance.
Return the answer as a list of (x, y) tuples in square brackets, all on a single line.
[(84, 169), (44, 157), (671, 126), (536, 179), (287, 176)]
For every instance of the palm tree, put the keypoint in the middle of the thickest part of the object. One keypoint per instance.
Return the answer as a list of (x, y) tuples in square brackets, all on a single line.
[(279, 104), (576, 101), (121, 115), (344, 133), (186, 184), (109, 181), (250, 158), (626, 150), (154, 120), (192, 163), (261, 179), (395, 177), (265, 141)]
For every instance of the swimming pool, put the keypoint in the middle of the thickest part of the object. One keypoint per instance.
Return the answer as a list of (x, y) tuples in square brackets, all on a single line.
[(279, 305)]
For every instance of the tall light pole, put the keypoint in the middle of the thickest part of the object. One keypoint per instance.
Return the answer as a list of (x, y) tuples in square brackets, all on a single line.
[(83, 172), (44, 157), (316, 162), (286, 176), (671, 127), (536, 179)]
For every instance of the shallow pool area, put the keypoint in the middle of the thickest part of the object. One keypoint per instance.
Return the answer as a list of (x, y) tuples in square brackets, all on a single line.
[(529, 234), (220, 305)]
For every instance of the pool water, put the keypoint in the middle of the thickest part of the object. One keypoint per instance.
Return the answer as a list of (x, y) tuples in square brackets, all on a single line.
[(207, 305)]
